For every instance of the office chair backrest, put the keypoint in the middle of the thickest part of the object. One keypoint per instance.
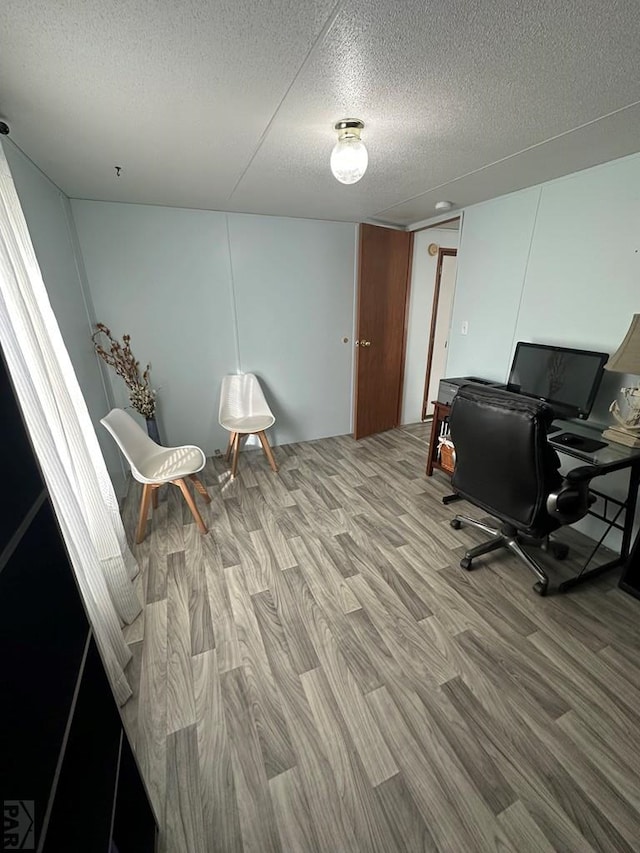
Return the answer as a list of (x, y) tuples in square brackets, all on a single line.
[(504, 463)]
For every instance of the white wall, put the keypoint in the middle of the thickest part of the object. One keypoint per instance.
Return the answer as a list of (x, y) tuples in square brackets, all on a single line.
[(583, 276), (203, 294), (162, 275), (558, 263), (294, 287), (423, 277), (492, 263), (48, 216)]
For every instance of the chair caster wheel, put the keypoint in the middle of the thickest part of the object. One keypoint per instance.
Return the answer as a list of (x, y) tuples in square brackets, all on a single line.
[(455, 523), (560, 550), (540, 588), (465, 563)]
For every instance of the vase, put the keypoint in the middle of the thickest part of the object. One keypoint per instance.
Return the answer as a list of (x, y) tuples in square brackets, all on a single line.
[(152, 430)]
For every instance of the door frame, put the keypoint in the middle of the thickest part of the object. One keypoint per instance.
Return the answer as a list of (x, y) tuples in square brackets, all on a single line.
[(442, 253), (405, 329)]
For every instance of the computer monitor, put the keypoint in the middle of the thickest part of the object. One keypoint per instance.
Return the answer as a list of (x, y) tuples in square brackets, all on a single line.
[(567, 379)]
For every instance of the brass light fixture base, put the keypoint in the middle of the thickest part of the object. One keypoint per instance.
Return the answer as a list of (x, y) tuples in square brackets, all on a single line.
[(352, 124)]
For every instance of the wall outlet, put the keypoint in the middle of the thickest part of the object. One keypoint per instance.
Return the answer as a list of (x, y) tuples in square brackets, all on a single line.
[(465, 327)]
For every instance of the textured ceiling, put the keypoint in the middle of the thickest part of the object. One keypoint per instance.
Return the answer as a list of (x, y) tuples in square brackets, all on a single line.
[(229, 105)]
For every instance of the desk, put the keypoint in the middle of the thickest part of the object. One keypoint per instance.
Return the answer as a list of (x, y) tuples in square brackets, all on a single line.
[(613, 457)]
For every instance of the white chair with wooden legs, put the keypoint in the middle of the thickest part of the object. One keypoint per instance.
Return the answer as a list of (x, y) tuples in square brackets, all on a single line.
[(153, 466), (244, 411)]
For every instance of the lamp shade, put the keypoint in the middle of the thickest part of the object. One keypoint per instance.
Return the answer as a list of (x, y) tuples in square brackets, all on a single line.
[(626, 359)]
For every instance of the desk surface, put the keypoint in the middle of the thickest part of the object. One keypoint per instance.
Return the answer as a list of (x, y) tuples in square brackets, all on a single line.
[(612, 453)]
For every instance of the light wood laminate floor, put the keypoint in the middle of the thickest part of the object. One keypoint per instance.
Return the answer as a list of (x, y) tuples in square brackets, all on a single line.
[(318, 674)]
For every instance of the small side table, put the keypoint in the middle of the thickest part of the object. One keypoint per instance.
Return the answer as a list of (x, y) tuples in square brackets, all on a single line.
[(440, 415)]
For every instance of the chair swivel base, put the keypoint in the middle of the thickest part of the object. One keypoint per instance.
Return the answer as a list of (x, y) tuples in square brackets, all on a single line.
[(508, 537)]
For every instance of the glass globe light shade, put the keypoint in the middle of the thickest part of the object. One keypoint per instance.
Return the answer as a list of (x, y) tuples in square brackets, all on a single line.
[(349, 159)]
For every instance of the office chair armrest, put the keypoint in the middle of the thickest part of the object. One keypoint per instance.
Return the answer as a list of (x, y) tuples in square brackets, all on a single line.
[(585, 473), (571, 501), (588, 472)]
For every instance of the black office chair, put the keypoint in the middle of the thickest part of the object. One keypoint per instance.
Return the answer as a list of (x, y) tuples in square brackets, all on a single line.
[(505, 466)]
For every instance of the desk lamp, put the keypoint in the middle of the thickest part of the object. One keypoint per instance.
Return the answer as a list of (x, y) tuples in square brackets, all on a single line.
[(626, 359)]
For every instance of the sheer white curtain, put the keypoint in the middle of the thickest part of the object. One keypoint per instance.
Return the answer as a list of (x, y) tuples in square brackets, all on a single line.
[(64, 439)]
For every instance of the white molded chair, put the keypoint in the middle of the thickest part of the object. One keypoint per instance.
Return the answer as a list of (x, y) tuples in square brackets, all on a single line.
[(244, 411), (153, 466)]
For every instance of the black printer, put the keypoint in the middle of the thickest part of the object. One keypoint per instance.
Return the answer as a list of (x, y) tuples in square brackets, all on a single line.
[(448, 388)]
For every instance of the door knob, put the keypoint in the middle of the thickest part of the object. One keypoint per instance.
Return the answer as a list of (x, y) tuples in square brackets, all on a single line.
[(363, 343)]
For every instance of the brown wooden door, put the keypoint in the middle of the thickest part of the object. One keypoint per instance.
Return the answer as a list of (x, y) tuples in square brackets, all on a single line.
[(383, 281)]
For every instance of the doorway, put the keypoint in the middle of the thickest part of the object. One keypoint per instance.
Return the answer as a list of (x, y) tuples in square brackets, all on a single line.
[(420, 314), (444, 288)]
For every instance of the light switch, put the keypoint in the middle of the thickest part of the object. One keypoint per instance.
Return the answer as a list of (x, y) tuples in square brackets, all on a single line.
[(465, 327)]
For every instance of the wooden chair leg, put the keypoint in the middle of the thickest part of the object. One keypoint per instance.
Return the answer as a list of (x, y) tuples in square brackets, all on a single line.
[(267, 450), (154, 496), (182, 485), (232, 438), (144, 510), (236, 449), (197, 482)]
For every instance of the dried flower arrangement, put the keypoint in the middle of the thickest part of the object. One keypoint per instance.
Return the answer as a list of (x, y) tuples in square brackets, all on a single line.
[(121, 359)]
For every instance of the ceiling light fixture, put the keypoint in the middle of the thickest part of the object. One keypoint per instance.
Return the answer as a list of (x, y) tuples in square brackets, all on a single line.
[(444, 205), (349, 158)]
